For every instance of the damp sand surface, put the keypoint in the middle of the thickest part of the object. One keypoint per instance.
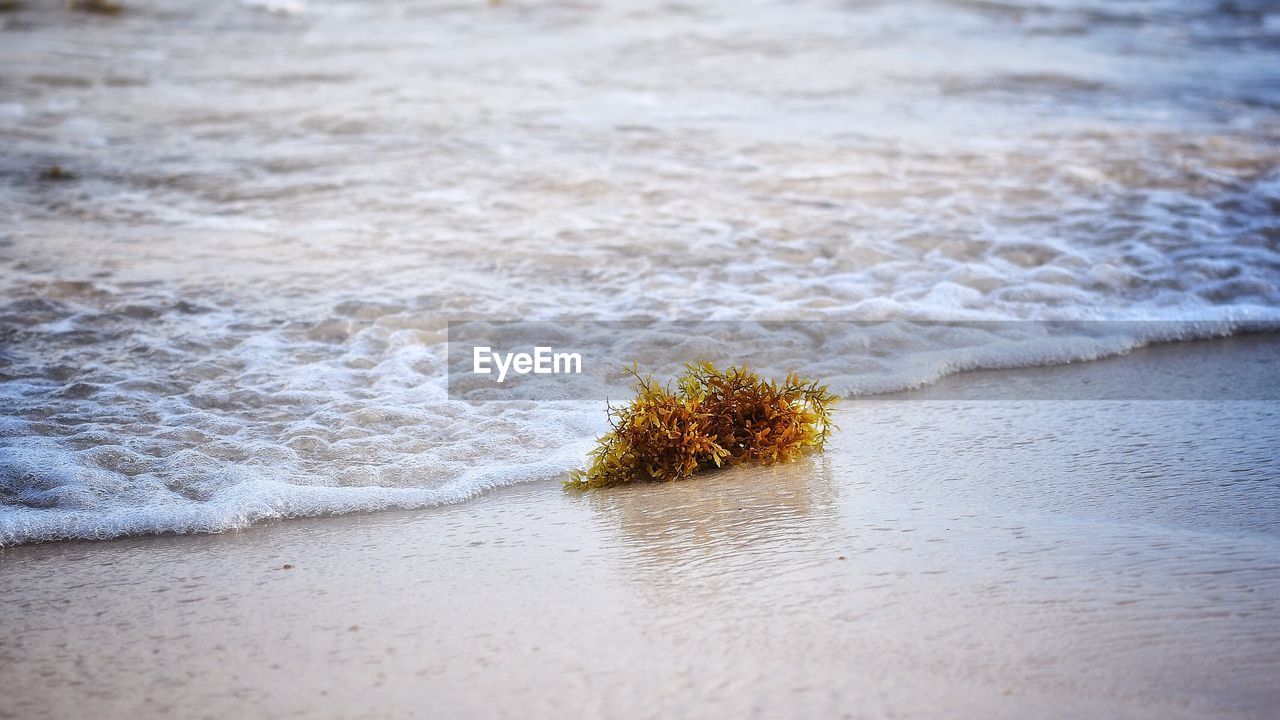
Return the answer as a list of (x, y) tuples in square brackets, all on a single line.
[(945, 558)]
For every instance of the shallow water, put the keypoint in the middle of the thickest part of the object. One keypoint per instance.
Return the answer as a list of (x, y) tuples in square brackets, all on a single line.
[(943, 559), (230, 301)]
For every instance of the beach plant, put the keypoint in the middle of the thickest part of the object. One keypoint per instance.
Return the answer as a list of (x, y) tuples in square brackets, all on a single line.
[(712, 418)]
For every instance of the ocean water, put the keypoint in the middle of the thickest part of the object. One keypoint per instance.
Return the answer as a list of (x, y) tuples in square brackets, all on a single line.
[(232, 235)]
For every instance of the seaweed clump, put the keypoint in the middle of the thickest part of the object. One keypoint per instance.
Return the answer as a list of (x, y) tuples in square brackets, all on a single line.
[(56, 173), (101, 7), (712, 418)]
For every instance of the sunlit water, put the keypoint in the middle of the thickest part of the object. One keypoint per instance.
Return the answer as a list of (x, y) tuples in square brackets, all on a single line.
[(229, 301)]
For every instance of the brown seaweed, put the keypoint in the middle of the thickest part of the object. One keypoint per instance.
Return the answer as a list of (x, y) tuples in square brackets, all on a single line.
[(711, 419)]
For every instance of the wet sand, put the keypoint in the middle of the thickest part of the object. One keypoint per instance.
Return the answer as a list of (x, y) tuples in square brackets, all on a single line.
[(949, 558)]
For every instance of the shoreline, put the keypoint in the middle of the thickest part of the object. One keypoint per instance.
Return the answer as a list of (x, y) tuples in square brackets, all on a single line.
[(954, 558), (1167, 371)]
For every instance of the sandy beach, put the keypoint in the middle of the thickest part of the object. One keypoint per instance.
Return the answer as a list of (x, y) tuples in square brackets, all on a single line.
[(250, 249), (958, 558)]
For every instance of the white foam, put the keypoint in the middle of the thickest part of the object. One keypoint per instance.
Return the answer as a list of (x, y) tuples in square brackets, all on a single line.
[(246, 500), (277, 7)]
